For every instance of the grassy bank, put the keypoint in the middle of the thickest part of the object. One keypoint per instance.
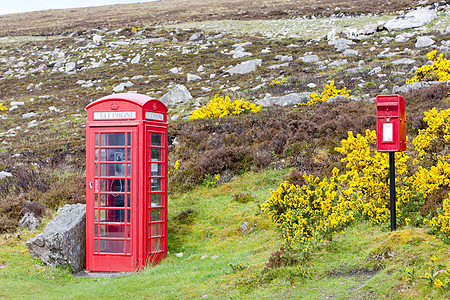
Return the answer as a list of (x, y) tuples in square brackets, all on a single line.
[(363, 261)]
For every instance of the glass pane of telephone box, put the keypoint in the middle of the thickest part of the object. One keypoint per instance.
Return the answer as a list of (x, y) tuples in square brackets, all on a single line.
[(155, 229), (112, 170), (156, 245), (112, 139), (109, 246), (155, 184), (112, 231), (155, 200), (156, 214), (116, 154), (156, 154), (156, 139), (155, 169)]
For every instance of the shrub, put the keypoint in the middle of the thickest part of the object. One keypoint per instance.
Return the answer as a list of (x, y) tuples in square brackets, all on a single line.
[(220, 107), (329, 91), (439, 70)]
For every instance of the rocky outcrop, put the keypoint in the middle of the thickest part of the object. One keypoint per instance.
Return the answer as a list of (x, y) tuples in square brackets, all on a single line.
[(63, 240), (416, 18), (178, 94)]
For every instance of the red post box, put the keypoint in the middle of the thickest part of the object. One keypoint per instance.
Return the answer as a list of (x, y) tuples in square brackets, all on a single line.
[(126, 182), (391, 123)]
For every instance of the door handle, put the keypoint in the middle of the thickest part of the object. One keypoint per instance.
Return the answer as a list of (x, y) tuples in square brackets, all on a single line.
[(90, 185)]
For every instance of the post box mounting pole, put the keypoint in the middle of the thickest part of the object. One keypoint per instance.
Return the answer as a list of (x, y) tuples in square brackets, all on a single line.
[(392, 190)]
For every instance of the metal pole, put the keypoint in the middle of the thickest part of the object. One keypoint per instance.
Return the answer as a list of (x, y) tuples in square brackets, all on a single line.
[(392, 190)]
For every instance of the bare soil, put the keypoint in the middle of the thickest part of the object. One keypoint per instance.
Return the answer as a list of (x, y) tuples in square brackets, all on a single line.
[(52, 22)]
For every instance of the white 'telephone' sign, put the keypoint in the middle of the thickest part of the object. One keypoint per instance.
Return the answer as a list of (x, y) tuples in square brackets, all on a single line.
[(388, 132), (154, 116), (114, 115)]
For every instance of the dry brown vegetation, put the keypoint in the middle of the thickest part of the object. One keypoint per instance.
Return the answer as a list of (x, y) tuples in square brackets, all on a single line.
[(56, 21)]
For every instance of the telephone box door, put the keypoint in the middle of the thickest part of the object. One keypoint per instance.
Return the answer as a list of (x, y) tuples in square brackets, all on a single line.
[(111, 219), (157, 194)]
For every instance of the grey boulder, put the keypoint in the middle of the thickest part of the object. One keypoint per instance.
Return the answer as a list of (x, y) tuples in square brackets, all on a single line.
[(63, 240), (289, 99), (178, 94)]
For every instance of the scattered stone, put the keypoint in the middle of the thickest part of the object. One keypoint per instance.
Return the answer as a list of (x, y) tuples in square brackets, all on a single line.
[(369, 29), (178, 94), (195, 37), (311, 85), (245, 67), (343, 98), (409, 87), (341, 44), (416, 18), (136, 59), (244, 227), (4, 174), (175, 70), (200, 69), (337, 63), (404, 61), (375, 70), (424, 41), (30, 221), (97, 39), (350, 52), (193, 78), (285, 58), (179, 254), (278, 66), (70, 66), (309, 58), (63, 240), (290, 99), (29, 115)]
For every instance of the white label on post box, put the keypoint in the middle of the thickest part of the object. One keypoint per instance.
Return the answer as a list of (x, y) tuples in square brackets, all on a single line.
[(154, 116), (114, 115), (388, 132)]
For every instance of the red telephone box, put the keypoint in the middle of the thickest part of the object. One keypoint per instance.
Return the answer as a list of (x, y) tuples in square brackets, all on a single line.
[(391, 123), (126, 182)]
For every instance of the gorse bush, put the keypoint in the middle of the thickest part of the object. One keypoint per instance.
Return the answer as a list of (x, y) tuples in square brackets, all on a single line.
[(220, 107), (329, 91), (313, 212), (439, 70)]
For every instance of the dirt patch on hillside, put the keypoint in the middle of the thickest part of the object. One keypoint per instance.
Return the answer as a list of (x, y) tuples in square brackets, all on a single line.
[(51, 22)]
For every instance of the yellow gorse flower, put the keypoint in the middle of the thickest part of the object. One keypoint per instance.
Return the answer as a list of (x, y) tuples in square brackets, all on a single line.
[(439, 70), (222, 106), (329, 91)]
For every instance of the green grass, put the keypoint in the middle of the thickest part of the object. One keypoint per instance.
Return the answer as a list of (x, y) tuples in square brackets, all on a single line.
[(364, 261)]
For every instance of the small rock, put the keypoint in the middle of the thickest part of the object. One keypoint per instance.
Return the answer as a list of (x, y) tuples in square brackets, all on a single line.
[(375, 70), (178, 94), (175, 70), (424, 41), (403, 61), (179, 254), (70, 66), (30, 221), (136, 59), (350, 52), (311, 85), (245, 67), (193, 78), (196, 36), (97, 39), (309, 58)]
